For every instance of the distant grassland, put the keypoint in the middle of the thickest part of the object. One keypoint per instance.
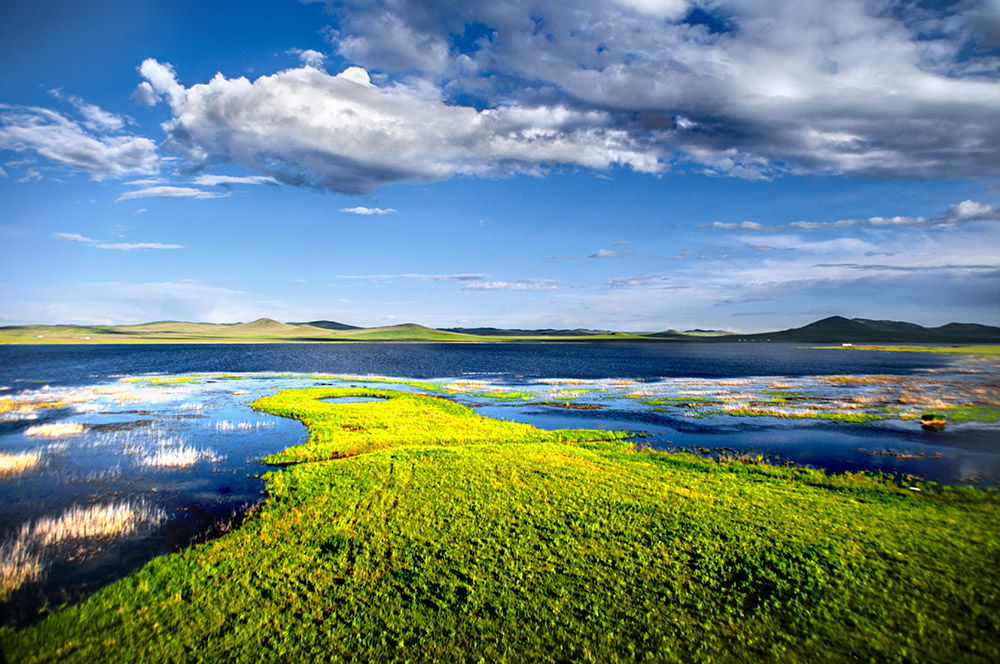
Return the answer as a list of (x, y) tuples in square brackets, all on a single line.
[(983, 350), (259, 331), (409, 528)]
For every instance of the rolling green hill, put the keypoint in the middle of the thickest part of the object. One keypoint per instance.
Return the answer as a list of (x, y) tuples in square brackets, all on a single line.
[(835, 330)]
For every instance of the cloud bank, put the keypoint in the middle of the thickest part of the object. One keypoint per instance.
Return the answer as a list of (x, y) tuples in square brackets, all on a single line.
[(736, 87)]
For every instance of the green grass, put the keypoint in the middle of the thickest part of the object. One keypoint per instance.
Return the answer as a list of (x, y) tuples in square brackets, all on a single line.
[(456, 538), (402, 419), (971, 413), (983, 350), (754, 411)]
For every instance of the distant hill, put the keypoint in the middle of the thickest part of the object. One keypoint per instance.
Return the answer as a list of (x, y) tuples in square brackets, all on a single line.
[(329, 325), (687, 334), (834, 330), (547, 332), (403, 332), (837, 329)]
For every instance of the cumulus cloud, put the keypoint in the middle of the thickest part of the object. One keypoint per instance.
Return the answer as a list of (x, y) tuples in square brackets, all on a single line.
[(344, 133), (91, 146), (308, 57), (118, 246), (734, 87), (169, 191), (367, 210)]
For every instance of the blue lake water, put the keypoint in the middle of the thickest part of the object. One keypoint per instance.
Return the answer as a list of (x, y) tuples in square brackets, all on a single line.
[(71, 365), (165, 430)]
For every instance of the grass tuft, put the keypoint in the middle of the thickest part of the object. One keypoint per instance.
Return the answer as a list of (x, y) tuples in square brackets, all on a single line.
[(15, 464), (56, 429), (22, 557)]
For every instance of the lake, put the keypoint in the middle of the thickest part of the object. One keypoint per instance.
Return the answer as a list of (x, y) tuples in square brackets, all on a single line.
[(163, 433)]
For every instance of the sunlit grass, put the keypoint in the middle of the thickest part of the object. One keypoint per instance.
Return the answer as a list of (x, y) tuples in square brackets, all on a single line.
[(14, 464), (56, 429), (18, 565)]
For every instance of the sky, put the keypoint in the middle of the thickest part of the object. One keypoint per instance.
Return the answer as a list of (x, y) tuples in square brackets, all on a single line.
[(633, 165)]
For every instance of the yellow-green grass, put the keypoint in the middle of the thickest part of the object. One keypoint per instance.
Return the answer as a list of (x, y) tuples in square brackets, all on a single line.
[(454, 541), (400, 419), (981, 350), (15, 464)]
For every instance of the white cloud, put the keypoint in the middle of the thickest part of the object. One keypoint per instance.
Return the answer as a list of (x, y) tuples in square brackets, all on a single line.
[(118, 246), (367, 211), (343, 133), (664, 9), (519, 285), (605, 253), (160, 80), (641, 280), (743, 226), (32, 174), (308, 57), (144, 94), (166, 191), (610, 253), (960, 213), (96, 118), (63, 141), (972, 211), (211, 180)]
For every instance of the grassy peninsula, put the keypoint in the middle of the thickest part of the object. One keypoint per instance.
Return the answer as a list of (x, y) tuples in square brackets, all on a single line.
[(409, 528)]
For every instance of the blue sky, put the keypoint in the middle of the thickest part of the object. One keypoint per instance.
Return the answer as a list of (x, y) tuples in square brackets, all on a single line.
[(615, 164)]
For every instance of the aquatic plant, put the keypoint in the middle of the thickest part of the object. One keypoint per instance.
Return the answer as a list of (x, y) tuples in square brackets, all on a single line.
[(179, 456), (56, 429), (14, 464), (93, 522), (24, 556), (18, 565)]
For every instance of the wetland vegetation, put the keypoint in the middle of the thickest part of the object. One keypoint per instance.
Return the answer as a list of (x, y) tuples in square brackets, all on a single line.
[(473, 539)]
